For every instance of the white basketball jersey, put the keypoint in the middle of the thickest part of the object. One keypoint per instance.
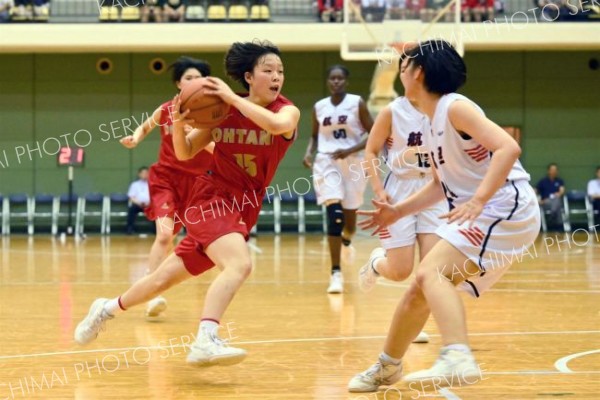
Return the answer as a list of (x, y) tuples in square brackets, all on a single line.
[(339, 126), (461, 163), (406, 152)]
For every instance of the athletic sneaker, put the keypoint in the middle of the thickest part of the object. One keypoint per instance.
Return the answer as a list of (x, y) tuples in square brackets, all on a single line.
[(379, 374), (367, 277), (347, 254), (209, 350), (451, 368), (93, 323), (336, 283), (155, 307), (422, 337)]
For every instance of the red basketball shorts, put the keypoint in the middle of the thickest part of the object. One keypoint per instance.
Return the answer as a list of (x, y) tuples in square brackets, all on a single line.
[(214, 211)]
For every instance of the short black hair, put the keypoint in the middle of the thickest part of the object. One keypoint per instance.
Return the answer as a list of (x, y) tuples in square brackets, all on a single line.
[(184, 63), (445, 71), (140, 169), (243, 57), (341, 67)]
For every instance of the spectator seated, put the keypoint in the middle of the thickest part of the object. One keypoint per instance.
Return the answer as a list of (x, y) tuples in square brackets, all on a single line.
[(27, 10), (174, 10), (477, 10), (330, 10), (5, 10), (152, 11)]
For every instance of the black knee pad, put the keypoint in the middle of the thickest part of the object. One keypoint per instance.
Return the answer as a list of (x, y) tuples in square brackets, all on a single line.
[(335, 219)]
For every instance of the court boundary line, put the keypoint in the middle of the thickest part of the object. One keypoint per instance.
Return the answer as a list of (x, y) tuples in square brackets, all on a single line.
[(561, 363), (281, 341)]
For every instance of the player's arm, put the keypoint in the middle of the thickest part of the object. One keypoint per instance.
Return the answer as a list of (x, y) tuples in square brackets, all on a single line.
[(186, 146), (561, 191), (380, 131), (142, 131), (466, 119), (282, 123), (367, 123), (313, 142), (386, 214)]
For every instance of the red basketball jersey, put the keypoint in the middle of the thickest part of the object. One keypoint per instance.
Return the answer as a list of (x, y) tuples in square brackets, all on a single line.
[(166, 156), (246, 156)]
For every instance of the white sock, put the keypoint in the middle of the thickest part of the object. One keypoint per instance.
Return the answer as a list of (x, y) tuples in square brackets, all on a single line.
[(389, 359), (208, 325), (112, 307), (463, 348)]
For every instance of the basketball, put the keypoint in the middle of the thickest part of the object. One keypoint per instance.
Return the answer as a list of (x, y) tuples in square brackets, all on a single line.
[(206, 111)]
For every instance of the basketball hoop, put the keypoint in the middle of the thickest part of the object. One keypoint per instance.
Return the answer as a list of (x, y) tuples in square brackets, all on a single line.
[(402, 47)]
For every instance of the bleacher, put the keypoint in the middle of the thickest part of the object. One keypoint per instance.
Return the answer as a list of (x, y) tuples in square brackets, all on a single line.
[(86, 11)]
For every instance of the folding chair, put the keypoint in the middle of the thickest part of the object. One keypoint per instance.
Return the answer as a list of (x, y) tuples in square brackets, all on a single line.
[(42, 206), (62, 212), (115, 205), (216, 11), (238, 11), (290, 207), (578, 203), (90, 205), (16, 206), (563, 214), (271, 207), (312, 210), (194, 12)]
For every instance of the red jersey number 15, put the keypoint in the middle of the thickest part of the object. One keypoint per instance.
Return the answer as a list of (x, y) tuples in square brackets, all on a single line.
[(246, 161)]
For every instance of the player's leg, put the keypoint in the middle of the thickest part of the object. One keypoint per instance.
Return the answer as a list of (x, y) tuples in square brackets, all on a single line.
[(171, 272), (349, 226), (348, 252), (441, 270), (161, 247), (329, 188), (335, 226), (354, 186), (230, 253), (412, 313), (407, 323), (395, 259)]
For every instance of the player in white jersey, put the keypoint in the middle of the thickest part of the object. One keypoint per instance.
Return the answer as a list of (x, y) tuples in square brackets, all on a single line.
[(400, 131), (493, 215), (341, 123)]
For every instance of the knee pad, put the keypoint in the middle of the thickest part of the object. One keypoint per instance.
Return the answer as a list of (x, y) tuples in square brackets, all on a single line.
[(335, 219)]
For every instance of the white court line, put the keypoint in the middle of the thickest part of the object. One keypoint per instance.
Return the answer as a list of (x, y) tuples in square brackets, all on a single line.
[(404, 285), (74, 254), (449, 395), (298, 340), (561, 363), (255, 248)]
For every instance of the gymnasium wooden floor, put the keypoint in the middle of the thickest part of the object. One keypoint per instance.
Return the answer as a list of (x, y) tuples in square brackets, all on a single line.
[(536, 335)]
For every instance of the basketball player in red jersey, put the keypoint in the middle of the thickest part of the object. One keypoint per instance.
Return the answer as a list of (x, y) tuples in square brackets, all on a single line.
[(249, 144), (170, 180)]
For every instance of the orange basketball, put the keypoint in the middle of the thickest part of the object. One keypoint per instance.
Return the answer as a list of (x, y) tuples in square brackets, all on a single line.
[(206, 111)]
